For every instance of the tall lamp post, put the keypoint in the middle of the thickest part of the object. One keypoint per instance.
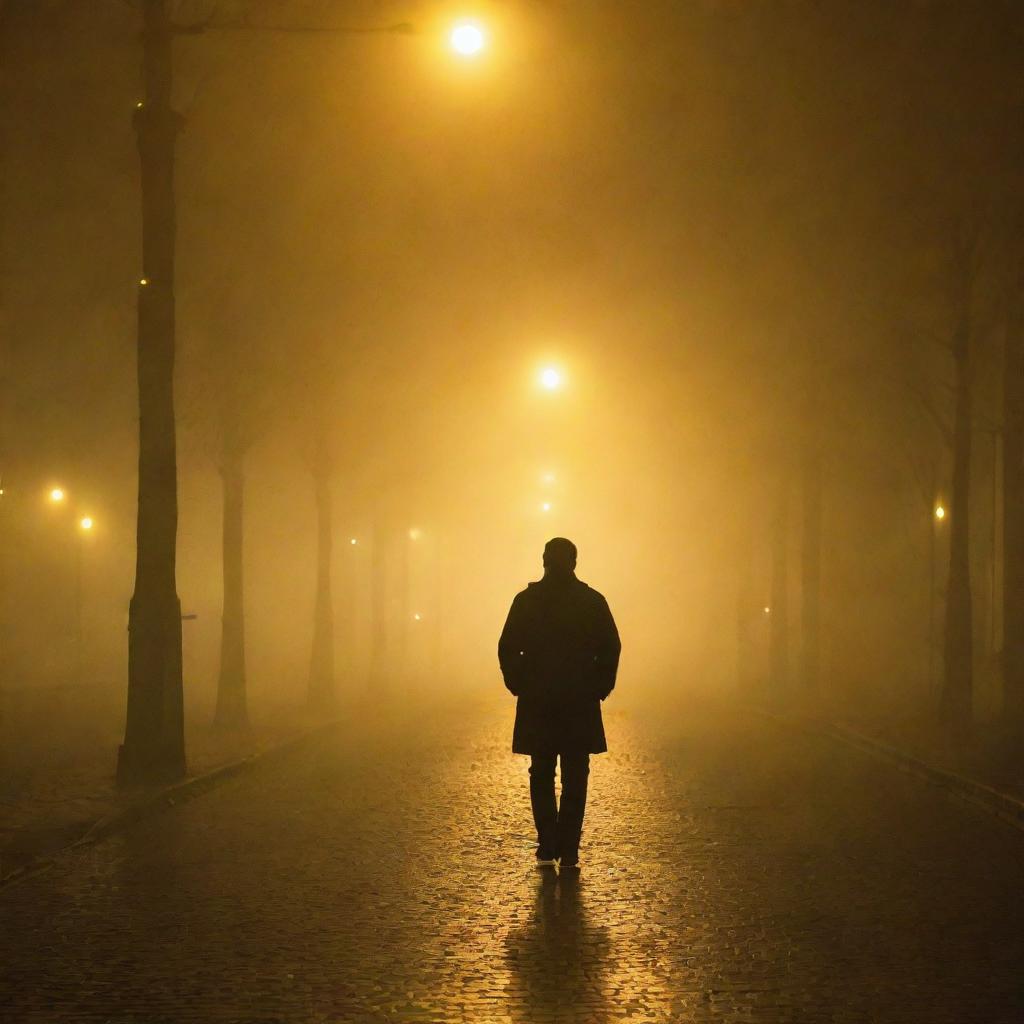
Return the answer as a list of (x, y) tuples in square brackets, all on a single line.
[(938, 517), (85, 528), (153, 750)]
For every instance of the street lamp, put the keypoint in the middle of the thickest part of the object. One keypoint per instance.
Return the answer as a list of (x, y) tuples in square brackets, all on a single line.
[(468, 39), (57, 495), (938, 518), (550, 378)]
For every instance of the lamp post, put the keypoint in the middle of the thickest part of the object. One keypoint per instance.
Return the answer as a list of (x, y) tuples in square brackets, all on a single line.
[(85, 528), (938, 517), (153, 750)]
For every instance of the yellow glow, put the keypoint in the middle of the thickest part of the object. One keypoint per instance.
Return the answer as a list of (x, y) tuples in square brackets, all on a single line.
[(57, 495), (548, 478), (85, 522), (550, 378), (767, 610), (546, 507), (353, 541), (415, 533), (143, 281), (468, 39), (138, 106), (418, 617), (940, 512)]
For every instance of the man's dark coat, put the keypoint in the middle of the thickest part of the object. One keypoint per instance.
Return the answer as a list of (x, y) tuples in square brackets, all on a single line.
[(559, 653)]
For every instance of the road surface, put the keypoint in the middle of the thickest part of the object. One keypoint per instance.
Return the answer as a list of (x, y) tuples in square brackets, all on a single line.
[(732, 871)]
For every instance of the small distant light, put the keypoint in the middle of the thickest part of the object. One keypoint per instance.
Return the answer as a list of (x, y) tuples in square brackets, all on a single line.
[(143, 281), (85, 522), (940, 512), (418, 617), (546, 507), (767, 610), (57, 495), (548, 478), (415, 533), (138, 106), (551, 379), (353, 541)]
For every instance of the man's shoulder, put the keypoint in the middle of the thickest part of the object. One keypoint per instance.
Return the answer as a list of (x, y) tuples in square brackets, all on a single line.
[(595, 596)]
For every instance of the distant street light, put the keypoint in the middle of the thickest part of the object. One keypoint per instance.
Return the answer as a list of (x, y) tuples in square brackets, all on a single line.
[(468, 39), (353, 541), (939, 516), (85, 525), (57, 495), (415, 533), (550, 378), (546, 507)]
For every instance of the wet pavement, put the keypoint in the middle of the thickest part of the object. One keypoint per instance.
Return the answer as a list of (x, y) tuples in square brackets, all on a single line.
[(732, 871)]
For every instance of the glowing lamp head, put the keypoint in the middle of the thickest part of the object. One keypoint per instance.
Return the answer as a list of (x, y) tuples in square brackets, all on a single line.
[(546, 506), (767, 610), (468, 39), (353, 541), (57, 495), (415, 533), (940, 512), (550, 379), (418, 617), (86, 523)]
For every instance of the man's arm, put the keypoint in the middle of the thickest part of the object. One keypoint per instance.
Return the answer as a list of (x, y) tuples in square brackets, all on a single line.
[(511, 645), (608, 648)]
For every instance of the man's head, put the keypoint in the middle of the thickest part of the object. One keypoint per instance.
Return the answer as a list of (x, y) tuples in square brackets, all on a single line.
[(559, 556)]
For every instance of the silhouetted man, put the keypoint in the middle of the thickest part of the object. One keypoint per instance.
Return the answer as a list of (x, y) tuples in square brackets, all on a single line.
[(559, 653)]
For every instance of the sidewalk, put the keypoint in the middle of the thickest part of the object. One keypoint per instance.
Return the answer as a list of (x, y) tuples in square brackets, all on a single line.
[(58, 754), (991, 755)]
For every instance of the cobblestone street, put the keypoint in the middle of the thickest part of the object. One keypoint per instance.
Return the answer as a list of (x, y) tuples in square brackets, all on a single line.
[(732, 871)]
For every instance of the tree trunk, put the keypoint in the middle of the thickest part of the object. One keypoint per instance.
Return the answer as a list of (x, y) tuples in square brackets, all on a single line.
[(810, 567), (746, 606), (403, 610), (957, 684), (321, 663), (232, 706), (154, 742), (778, 645), (378, 607), (1013, 517)]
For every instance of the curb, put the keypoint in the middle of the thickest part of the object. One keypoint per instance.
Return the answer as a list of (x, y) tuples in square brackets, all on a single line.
[(996, 802), (152, 803)]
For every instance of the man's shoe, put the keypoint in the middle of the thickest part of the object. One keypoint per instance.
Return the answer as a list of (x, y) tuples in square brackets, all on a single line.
[(571, 862), (546, 858)]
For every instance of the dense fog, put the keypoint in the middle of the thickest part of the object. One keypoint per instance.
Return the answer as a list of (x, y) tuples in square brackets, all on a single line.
[(725, 230)]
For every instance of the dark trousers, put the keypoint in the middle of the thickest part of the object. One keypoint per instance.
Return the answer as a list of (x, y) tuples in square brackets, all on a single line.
[(559, 825)]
